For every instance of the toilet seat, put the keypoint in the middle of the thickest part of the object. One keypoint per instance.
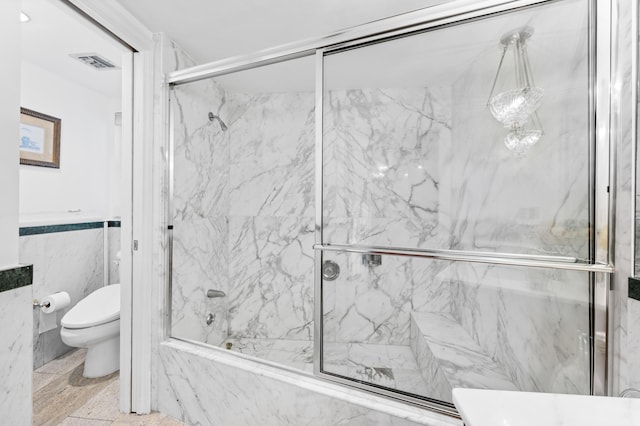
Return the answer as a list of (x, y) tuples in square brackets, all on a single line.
[(100, 307)]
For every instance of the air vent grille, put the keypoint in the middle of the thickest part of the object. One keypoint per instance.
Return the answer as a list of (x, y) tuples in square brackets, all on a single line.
[(95, 61)]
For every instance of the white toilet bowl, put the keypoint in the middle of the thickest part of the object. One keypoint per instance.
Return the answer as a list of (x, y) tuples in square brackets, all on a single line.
[(94, 323)]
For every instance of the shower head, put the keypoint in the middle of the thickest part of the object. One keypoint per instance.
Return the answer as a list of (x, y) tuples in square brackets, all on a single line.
[(213, 117)]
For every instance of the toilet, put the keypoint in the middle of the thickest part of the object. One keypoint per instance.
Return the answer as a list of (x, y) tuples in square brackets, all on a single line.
[(94, 323)]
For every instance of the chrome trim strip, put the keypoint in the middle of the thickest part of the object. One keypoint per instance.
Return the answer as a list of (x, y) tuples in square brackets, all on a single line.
[(440, 407), (170, 203), (634, 133), (437, 15), (438, 21), (317, 276), (603, 190), (477, 257), (170, 158), (600, 341)]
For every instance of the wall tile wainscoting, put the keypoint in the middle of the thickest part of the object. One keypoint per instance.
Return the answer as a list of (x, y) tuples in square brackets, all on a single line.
[(15, 296), (66, 257)]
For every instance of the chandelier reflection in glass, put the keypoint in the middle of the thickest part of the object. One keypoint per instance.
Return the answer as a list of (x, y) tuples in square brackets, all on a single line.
[(516, 108)]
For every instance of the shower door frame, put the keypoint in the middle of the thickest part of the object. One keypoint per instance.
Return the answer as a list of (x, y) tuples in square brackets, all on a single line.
[(601, 203), (603, 191)]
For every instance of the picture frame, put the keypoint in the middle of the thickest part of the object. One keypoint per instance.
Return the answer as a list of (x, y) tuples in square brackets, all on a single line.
[(39, 139)]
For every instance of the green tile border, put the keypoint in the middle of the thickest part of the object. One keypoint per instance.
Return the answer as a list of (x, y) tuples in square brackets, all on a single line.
[(634, 288), (16, 277), (49, 229)]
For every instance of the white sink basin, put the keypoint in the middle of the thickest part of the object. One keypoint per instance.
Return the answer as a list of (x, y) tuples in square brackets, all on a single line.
[(479, 407)]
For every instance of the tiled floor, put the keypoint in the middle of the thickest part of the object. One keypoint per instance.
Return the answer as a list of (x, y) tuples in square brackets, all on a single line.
[(61, 396)]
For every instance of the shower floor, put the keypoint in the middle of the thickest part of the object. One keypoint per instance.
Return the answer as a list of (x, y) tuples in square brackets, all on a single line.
[(391, 366)]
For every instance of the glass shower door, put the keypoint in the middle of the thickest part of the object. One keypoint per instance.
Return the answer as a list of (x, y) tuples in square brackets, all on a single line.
[(455, 245), (423, 327)]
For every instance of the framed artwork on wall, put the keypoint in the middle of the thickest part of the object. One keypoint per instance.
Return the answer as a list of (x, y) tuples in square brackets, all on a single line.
[(39, 139)]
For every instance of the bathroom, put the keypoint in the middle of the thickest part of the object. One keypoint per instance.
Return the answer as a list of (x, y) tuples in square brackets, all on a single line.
[(69, 211), (227, 200)]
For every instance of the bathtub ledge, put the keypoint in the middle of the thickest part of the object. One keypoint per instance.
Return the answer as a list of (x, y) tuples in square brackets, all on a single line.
[(221, 357)]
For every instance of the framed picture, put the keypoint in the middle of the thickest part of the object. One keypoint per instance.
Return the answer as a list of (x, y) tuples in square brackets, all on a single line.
[(39, 139)]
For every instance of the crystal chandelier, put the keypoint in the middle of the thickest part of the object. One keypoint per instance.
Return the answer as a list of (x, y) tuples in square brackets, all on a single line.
[(516, 108)]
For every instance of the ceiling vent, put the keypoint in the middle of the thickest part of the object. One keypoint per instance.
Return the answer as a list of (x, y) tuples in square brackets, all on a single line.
[(95, 61)]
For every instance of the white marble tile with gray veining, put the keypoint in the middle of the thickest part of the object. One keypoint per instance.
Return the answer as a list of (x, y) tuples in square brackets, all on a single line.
[(272, 154), (372, 304), (200, 260), (16, 356), (540, 200), (528, 320), (201, 172), (633, 345), (270, 275), (70, 261), (382, 146), (114, 249), (543, 340), (199, 386), (449, 349), (623, 134)]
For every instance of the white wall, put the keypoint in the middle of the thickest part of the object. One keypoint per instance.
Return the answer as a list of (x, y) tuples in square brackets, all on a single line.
[(87, 139), (114, 147), (9, 131)]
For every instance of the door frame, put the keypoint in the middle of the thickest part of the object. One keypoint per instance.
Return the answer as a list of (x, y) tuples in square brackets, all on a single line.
[(137, 240)]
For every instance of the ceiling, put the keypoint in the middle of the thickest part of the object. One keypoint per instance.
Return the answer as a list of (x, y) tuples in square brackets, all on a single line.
[(55, 31), (435, 58), (211, 30)]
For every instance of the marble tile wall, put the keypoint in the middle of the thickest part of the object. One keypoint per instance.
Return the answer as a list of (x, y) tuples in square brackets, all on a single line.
[(633, 327), (237, 391), (252, 393), (200, 236), (450, 358), (373, 304), (249, 231), (420, 167), (428, 168), (529, 321), (271, 215), (114, 248), (62, 261), (626, 329), (381, 165), (16, 356), (167, 57), (243, 214), (381, 174)]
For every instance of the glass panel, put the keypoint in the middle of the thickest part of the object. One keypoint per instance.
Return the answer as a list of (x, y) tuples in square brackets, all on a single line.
[(415, 158), (244, 213), (424, 326)]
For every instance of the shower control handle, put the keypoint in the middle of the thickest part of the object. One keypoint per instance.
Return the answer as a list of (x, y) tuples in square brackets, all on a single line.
[(211, 293), (330, 270)]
